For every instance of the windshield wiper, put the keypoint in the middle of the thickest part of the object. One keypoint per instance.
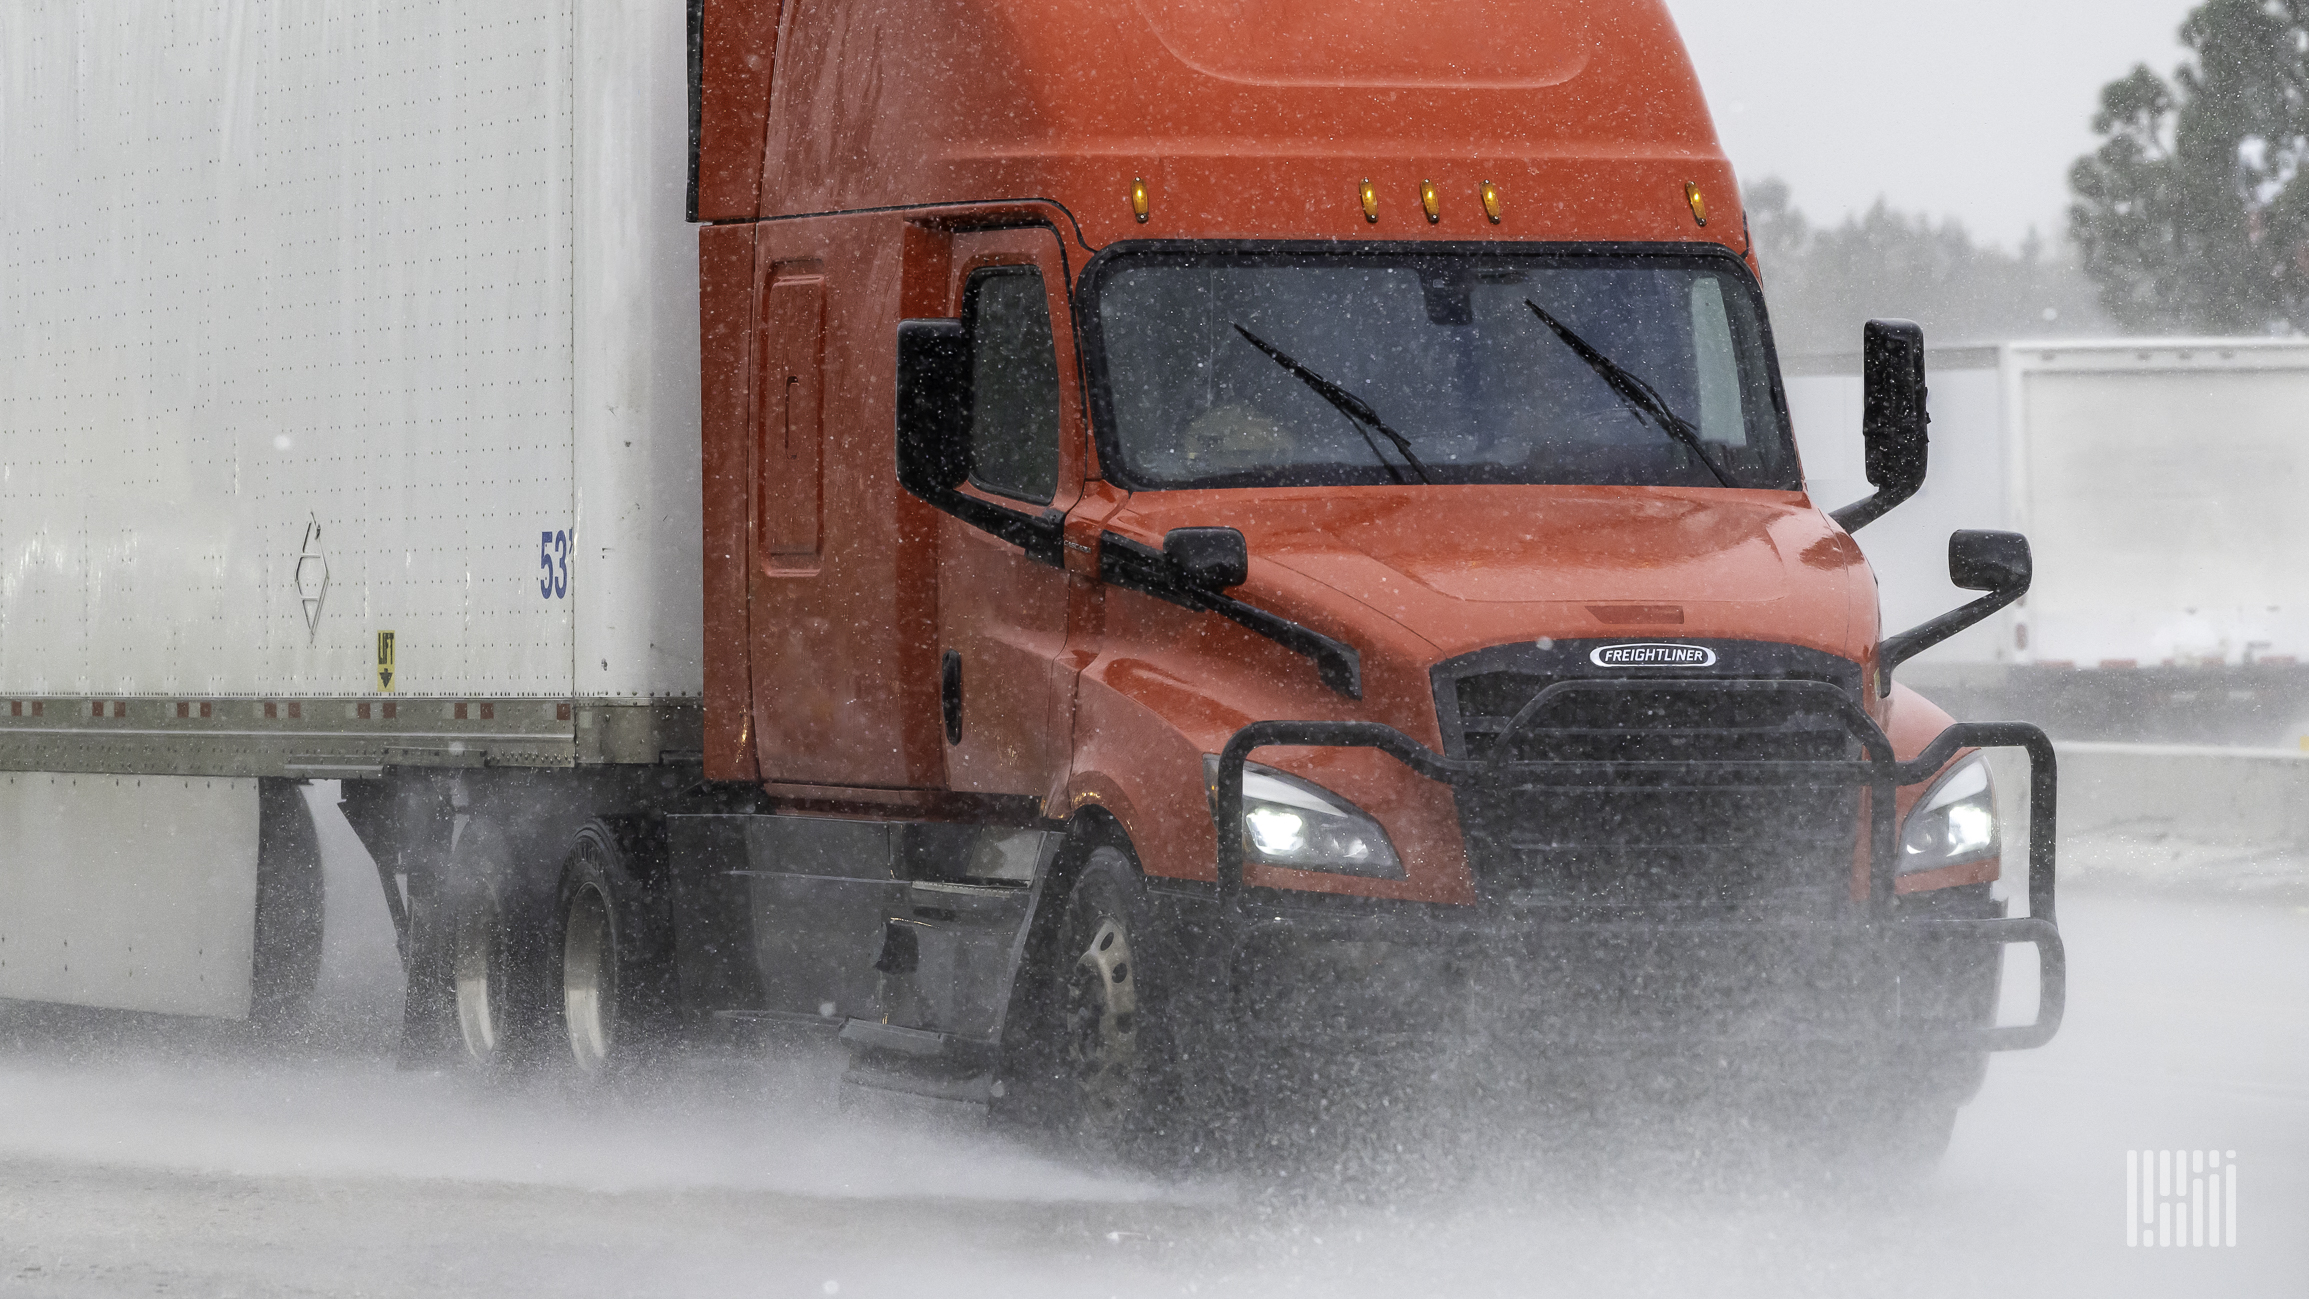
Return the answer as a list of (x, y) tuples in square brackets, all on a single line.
[(1639, 396), (1357, 410)]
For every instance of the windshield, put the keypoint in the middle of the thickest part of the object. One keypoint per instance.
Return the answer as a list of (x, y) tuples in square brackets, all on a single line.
[(1230, 369)]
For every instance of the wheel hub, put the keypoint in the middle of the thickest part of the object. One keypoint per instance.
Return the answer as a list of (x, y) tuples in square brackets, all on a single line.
[(1102, 1023)]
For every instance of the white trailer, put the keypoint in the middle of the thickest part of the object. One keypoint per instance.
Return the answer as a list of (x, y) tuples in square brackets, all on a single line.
[(2160, 483), (348, 417)]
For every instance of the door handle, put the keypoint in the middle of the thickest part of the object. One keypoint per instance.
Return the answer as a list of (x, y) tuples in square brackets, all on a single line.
[(950, 694)]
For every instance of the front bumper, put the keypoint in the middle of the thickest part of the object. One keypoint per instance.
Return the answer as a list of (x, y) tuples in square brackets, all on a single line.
[(1882, 967)]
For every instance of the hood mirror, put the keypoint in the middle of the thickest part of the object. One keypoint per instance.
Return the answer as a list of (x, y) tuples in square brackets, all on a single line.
[(1989, 561), (1995, 562)]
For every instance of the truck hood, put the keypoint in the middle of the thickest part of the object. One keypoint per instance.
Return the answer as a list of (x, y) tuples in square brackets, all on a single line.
[(1466, 567)]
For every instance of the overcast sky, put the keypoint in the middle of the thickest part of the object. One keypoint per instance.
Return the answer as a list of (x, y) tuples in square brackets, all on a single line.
[(1964, 108)]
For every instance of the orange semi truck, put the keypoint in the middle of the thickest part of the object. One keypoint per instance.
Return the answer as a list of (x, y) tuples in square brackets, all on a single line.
[(1223, 526), (1102, 395)]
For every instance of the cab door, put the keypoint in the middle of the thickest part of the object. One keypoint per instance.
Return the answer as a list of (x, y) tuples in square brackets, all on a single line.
[(1006, 693)]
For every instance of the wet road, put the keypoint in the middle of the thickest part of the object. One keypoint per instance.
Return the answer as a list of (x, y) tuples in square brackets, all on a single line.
[(148, 1157)]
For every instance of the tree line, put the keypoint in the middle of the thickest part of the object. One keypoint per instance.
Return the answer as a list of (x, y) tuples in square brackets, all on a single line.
[(1822, 282), (2191, 216)]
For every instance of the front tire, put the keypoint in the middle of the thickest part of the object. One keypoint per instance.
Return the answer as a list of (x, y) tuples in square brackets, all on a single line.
[(1100, 1065)]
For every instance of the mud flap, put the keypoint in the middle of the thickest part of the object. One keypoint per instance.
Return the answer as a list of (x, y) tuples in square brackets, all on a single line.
[(129, 892)]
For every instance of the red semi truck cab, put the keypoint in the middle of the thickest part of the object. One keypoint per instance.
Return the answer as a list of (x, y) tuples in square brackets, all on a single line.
[(1284, 516)]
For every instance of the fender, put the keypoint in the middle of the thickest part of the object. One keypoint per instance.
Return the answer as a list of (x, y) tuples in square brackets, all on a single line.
[(1912, 723)]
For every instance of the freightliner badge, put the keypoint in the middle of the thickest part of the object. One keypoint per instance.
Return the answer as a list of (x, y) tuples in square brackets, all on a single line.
[(1653, 656)]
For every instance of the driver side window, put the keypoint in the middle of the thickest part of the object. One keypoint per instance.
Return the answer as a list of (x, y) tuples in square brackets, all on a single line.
[(1014, 384)]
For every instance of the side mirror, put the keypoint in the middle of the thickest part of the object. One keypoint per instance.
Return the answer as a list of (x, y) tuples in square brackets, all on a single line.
[(1995, 562), (934, 398), (1989, 561), (1208, 559), (1893, 418), (933, 407)]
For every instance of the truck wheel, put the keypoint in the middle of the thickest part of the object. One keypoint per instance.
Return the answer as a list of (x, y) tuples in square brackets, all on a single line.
[(1899, 1140), (613, 954), (589, 977), (1915, 1143), (1938, 1086), (1097, 981), (493, 966), (480, 976), (1891, 1119)]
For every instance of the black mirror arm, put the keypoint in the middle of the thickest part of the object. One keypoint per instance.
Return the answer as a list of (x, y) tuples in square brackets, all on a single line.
[(1868, 509), (1897, 650), (1042, 536), (1141, 568)]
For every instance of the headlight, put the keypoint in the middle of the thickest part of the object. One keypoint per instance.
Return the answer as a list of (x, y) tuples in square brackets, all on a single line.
[(1955, 821), (1290, 823)]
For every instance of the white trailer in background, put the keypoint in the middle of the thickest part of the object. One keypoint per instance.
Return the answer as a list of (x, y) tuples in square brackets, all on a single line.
[(2161, 483)]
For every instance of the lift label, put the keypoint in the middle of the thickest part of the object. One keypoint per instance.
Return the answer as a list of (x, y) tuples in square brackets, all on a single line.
[(1653, 656), (384, 662)]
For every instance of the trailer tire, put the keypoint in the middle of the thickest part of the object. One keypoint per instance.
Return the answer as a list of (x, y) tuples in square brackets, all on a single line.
[(495, 1001), (289, 907), (612, 951)]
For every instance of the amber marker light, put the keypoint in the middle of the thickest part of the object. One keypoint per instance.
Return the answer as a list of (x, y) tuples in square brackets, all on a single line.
[(1370, 202), (1430, 202), (1138, 199), (1491, 202), (1698, 201)]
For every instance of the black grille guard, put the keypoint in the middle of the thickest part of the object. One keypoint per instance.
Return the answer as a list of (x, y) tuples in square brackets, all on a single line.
[(1878, 771)]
